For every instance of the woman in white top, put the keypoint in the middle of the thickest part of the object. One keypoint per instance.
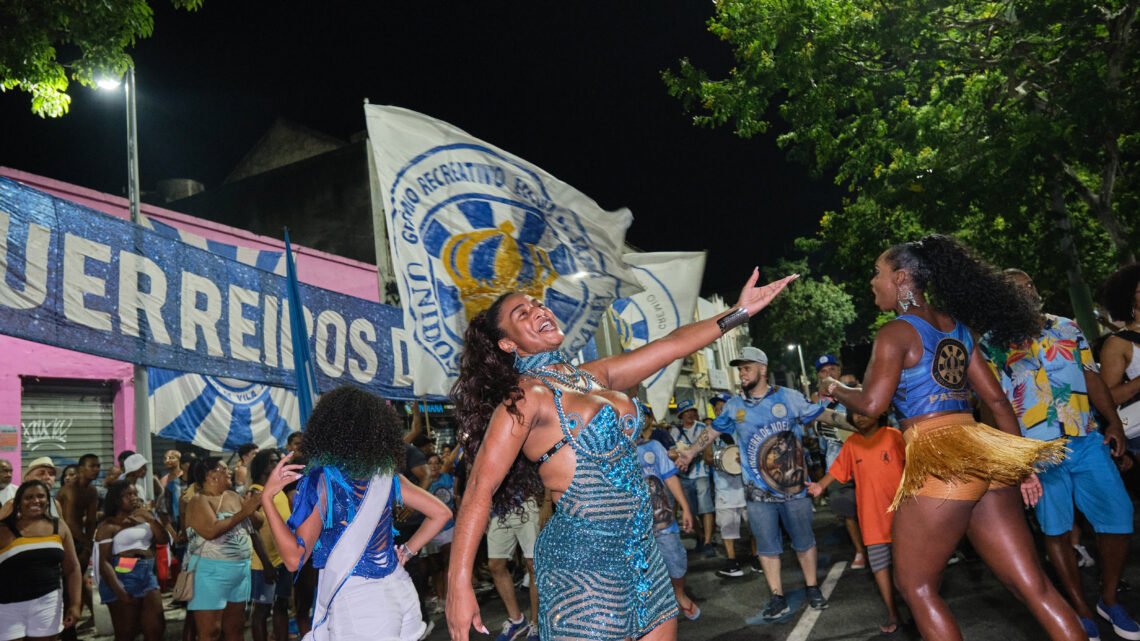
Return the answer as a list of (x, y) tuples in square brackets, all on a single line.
[(124, 561)]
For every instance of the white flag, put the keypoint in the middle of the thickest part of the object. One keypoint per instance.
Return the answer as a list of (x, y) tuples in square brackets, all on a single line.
[(671, 282), (468, 222)]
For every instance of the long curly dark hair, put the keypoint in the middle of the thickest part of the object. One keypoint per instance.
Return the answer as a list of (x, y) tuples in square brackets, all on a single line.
[(487, 379), (1119, 291), (355, 431), (959, 283)]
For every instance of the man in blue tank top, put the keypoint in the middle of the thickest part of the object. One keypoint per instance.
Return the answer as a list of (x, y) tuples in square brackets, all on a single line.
[(1049, 381), (767, 423)]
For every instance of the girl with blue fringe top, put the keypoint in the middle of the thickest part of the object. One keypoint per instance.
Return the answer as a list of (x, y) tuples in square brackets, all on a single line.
[(342, 517)]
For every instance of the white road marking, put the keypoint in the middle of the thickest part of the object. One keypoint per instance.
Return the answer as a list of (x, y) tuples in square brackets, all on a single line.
[(809, 617)]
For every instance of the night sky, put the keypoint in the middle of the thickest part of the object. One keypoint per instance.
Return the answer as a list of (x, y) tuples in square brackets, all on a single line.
[(573, 87)]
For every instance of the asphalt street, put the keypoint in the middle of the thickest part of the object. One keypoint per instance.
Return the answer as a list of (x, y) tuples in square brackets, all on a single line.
[(985, 610)]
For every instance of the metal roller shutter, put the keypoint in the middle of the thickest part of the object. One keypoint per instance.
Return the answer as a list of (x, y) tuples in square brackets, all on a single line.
[(65, 419)]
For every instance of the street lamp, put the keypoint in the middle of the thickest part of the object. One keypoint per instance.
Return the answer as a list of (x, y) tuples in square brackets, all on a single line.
[(803, 370), (142, 405)]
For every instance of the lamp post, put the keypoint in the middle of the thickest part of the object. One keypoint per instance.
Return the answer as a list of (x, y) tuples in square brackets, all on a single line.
[(141, 384), (803, 370)]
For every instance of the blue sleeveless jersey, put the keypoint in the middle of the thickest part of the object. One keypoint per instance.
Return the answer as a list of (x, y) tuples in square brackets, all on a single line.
[(937, 383)]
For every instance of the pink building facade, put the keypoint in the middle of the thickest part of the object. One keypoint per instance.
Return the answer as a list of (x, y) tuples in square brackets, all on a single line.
[(36, 378)]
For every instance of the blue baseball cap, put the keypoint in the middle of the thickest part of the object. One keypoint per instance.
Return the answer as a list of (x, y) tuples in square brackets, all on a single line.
[(721, 396), (825, 360), (685, 406)]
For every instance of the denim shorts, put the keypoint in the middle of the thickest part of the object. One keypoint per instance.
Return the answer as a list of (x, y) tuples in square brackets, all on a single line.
[(136, 575), (795, 515), (673, 552), (266, 593), (698, 492)]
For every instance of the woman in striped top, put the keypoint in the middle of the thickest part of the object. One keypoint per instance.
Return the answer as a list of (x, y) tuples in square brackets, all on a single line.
[(36, 552)]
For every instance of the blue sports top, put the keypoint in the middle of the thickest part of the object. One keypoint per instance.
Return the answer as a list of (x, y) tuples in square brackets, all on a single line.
[(345, 496), (937, 382)]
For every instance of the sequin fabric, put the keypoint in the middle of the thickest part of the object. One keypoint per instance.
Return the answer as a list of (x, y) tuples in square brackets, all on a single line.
[(600, 576)]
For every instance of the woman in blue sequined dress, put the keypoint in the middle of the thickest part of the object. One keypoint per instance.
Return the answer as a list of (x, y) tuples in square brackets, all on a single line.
[(342, 516), (519, 404)]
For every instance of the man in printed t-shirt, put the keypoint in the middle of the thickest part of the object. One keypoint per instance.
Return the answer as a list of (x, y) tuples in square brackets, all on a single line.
[(661, 477), (767, 423)]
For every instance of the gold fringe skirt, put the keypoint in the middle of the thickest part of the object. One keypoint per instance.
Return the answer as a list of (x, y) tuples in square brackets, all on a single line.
[(953, 456)]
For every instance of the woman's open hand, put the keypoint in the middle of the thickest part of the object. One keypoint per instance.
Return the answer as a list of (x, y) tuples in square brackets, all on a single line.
[(753, 298)]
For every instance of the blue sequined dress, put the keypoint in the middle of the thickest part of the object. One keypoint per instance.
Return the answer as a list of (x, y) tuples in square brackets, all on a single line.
[(599, 574)]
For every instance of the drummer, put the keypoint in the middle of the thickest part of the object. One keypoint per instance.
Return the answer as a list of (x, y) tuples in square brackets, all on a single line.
[(729, 492), (840, 495), (767, 422)]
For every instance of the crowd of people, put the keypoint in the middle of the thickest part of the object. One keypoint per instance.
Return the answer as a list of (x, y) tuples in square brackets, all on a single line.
[(975, 403)]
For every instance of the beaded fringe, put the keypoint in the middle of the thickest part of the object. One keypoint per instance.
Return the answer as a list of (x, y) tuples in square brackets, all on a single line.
[(960, 451)]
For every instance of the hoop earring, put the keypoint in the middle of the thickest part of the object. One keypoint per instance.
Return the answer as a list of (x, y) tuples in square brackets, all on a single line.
[(906, 299)]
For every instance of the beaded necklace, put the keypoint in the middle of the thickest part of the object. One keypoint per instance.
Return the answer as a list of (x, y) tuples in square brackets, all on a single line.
[(543, 367)]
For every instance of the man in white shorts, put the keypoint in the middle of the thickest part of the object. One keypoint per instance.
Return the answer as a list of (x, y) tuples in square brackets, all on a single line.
[(504, 536), (730, 505)]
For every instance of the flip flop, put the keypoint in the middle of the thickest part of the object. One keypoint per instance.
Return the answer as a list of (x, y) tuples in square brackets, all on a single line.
[(691, 613)]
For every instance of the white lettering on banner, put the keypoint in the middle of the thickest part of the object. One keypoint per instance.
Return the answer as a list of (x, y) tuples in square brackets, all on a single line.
[(38, 433), (401, 370), (77, 283), (240, 326), (327, 319), (206, 319), (35, 266), (131, 300), (360, 334), (269, 330)]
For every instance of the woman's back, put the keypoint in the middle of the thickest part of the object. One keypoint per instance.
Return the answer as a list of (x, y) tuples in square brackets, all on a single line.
[(937, 381), (328, 486)]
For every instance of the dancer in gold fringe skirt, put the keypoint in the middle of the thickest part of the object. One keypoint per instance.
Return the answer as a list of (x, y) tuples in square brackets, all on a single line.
[(961, 477)]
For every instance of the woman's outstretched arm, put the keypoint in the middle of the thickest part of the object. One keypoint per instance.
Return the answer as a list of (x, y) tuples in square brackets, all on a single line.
[(623, 371)]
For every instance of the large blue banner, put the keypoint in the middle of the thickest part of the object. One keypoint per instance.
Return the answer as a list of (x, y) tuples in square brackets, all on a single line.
[(79, 279)]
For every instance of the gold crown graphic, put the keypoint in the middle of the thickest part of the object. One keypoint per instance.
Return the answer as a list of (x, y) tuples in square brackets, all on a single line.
[(478, 294)]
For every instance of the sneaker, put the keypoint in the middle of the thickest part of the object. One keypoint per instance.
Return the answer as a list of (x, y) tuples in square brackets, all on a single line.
[(777, 607), (1084, 559), (756, 567), (859, 562), (710, 550), (731, 568), (955, 558), (532, 633), (1123, 586), (815, 598), (1122, 624), (427, 630), (1090, 629), (513, 629)]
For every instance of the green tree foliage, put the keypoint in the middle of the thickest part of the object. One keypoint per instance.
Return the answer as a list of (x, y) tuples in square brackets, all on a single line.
[(46, 43), (1014, 125), (812, 312)]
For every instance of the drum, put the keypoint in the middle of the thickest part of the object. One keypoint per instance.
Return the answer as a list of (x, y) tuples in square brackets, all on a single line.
[(727, 460)]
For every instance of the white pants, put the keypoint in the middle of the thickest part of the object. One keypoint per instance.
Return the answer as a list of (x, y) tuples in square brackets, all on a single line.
[(386, 609)]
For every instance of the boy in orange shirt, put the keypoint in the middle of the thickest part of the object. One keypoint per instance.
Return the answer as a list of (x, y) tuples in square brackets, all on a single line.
[(875, 458)]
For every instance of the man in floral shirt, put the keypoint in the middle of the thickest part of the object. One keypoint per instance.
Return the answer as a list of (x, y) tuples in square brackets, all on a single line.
[(1050, 380)]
